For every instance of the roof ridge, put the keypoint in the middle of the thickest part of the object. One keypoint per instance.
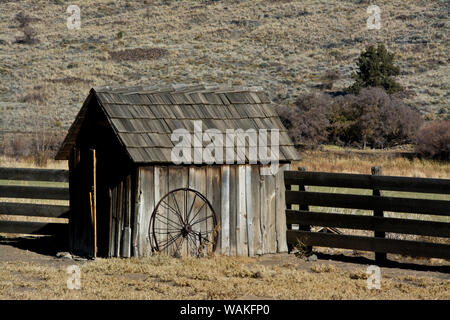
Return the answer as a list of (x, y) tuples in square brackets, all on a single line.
[(176, 88)]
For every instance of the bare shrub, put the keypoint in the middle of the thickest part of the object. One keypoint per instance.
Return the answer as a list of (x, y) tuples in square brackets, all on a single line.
[(39, 147), (29, 34), (372, 118), (307, 121), (23, 19), (34, 97), (433, 140), (16, 146), (45, 145), (329, 78)]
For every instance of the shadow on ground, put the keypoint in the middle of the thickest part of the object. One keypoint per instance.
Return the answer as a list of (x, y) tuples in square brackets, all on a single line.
[(47, 245), (419, 266)]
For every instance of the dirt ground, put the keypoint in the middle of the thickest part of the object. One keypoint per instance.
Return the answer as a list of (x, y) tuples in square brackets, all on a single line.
[(30, 269)]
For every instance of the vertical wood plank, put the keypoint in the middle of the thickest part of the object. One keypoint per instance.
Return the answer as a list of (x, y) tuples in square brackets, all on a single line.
[(146, 207), (113, 206), (161, 189), (126, 241), (110, 224), (119, 218), (225, 211), (158, 230), (233, 209), (137, 214), (71, 198), (94, 200), (178, 178), (264, 214), (249, 210), (241, 223), (159, 227), (280, 211), (197, 182), (256, 209), (213, 194), (272, 237)]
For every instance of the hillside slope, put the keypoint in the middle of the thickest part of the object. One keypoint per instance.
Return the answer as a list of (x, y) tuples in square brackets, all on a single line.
[(284, 46)]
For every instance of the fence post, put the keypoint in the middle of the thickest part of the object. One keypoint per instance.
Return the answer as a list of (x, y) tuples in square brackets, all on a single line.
[(380, 257), (289, 226), (306, 208)]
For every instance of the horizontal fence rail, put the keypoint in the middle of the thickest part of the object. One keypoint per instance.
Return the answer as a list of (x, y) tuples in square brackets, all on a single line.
[(32, 209), (405, 247), (26, 192), (39, 228), (353, 201), (26, 174), (350, 221), (304, 218), (365, 181)]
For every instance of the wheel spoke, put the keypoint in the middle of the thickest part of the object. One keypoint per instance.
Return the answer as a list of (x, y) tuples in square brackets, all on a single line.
[(166, 229), (172, 240), (166, 232), (185, 205), (190, 222), (193, 242), (174, 211), (176, 204), (175, 224), (206, 218), (178, 244), (169, 224), (192, 205), (200, 237)]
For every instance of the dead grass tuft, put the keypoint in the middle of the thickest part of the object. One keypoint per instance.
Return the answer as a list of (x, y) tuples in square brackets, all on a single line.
[(138, 54), (69, 80), (323, 268)]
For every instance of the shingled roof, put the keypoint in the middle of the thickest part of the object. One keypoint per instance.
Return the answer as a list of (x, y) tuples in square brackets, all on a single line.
[(143, 118)]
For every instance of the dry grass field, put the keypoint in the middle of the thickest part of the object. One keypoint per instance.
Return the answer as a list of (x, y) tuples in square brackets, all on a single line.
[(33, 275), (160, 277), (336, 159), (284, 46)]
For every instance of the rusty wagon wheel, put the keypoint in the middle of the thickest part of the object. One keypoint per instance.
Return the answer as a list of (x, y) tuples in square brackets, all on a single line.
[(184, 223)]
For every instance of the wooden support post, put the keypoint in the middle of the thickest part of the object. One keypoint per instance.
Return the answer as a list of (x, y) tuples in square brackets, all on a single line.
[(304, 207), (94, 199), (126, 241), (111, 235), (380, 257), (289, 226)]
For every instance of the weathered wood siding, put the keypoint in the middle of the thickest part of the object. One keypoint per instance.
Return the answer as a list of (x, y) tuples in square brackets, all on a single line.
[(249, 207)]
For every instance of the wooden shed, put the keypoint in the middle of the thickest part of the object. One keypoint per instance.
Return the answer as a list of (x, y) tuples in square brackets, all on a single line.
[(129, 198)]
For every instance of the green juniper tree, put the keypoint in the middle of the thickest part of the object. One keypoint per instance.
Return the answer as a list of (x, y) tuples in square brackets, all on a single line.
[(375, 69)]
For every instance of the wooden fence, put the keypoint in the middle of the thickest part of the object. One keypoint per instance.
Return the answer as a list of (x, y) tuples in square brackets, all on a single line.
[(377, 202), (31, 209)]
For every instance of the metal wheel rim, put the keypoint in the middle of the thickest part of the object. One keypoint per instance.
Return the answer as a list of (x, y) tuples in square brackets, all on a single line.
[(152, 232)]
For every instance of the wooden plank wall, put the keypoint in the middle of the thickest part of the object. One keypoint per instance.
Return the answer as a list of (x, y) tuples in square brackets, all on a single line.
[(249, 207)]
